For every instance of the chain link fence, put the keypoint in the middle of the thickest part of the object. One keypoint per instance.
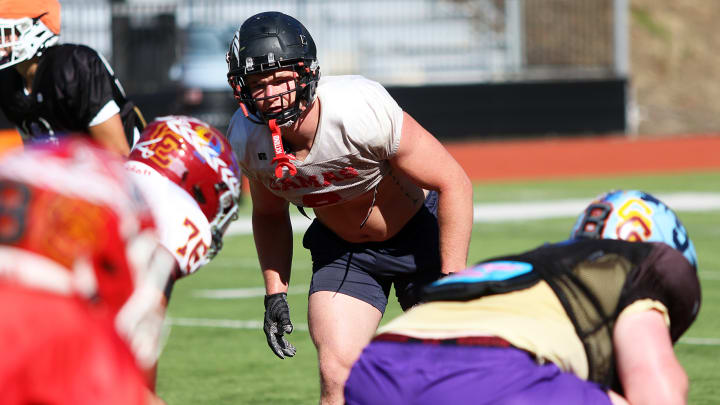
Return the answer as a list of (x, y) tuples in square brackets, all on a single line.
[(516, 66), (397, 42)]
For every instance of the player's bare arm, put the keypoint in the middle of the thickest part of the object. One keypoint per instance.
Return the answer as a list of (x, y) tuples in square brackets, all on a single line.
[(111, 135), (273, 241), (648, 369), (424, 160), (273, 237)]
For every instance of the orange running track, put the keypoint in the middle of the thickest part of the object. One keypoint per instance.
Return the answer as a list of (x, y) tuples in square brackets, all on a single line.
[(565, 157), (583, 157)]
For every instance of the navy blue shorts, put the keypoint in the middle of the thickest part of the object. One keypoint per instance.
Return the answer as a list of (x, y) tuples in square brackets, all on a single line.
[(409, 260)]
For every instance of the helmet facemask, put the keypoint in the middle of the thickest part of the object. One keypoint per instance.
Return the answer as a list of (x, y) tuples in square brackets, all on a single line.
[(22, 39), (305, 78), (227, 212)]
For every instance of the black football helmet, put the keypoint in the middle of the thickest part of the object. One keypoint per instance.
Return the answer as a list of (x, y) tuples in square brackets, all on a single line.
[(270, 41)]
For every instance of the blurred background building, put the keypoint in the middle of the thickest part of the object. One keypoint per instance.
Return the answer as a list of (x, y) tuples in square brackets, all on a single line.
[(462, 68)]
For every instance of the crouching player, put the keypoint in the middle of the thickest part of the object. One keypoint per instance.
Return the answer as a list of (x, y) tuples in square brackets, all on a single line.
[(81, 279), (591, 320), (190, 178)]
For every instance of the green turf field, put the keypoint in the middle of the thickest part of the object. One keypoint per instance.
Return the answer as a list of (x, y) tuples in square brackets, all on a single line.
[(216, 351)]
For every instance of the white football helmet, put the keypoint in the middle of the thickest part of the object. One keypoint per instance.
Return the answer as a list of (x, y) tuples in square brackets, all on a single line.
[(27, 28)]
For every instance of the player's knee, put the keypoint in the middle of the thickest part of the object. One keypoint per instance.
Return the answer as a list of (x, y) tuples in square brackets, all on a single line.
[(332, 385), (334, 371)]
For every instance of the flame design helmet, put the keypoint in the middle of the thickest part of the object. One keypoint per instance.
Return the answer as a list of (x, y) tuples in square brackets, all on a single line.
[(634, 216), (199, 159)]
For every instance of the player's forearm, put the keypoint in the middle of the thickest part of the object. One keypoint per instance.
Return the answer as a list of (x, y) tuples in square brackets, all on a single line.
[(648, 369), (273, 241), (455, 218), (663, 387)]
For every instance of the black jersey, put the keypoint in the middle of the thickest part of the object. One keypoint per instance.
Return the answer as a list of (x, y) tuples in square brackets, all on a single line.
[(72, 85)]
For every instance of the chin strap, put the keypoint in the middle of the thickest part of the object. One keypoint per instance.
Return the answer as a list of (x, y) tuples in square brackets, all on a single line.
[(281, 158)]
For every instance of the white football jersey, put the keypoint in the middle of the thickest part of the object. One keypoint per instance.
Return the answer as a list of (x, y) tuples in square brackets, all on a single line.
[(182, 226), (358, 131)]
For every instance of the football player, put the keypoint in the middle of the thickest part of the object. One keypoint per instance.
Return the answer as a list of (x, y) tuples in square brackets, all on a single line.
[(189, 176), (81, 279), (391, 205), (591, 320), (51, 89)]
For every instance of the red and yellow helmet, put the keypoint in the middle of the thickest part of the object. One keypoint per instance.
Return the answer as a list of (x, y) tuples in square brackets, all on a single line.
[(199, 159)]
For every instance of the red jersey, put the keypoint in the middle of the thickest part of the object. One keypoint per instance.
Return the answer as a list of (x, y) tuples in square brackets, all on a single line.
[(54, 350)]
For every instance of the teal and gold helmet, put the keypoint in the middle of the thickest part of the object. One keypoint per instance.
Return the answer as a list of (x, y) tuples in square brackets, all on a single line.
[(634, 216)]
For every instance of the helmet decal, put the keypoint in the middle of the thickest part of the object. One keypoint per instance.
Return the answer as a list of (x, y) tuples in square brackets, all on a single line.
[(635, 223), (160, 144), (634, 216)]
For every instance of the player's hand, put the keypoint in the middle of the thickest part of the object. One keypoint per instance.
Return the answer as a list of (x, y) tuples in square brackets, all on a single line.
[(277, 324)]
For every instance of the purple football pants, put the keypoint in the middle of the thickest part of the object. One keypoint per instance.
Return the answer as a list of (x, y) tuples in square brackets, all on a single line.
[(391, 373)]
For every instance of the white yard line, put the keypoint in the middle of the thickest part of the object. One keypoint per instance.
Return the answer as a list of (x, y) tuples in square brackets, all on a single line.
[(495, 212), (252, 262), (256, 324), (254, 292), (233, 293), (224, 323), (709, 275), (521, 211), (700, 341)]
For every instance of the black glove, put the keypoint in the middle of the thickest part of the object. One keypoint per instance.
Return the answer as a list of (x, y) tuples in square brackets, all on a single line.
[(277, 324)]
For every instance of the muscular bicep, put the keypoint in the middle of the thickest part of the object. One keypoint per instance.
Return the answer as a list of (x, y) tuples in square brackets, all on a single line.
[(424, 159), (110, 134), (646, 363)]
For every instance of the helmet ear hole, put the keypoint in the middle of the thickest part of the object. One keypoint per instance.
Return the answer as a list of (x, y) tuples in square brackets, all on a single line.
[(198, 195), (107, 264)]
